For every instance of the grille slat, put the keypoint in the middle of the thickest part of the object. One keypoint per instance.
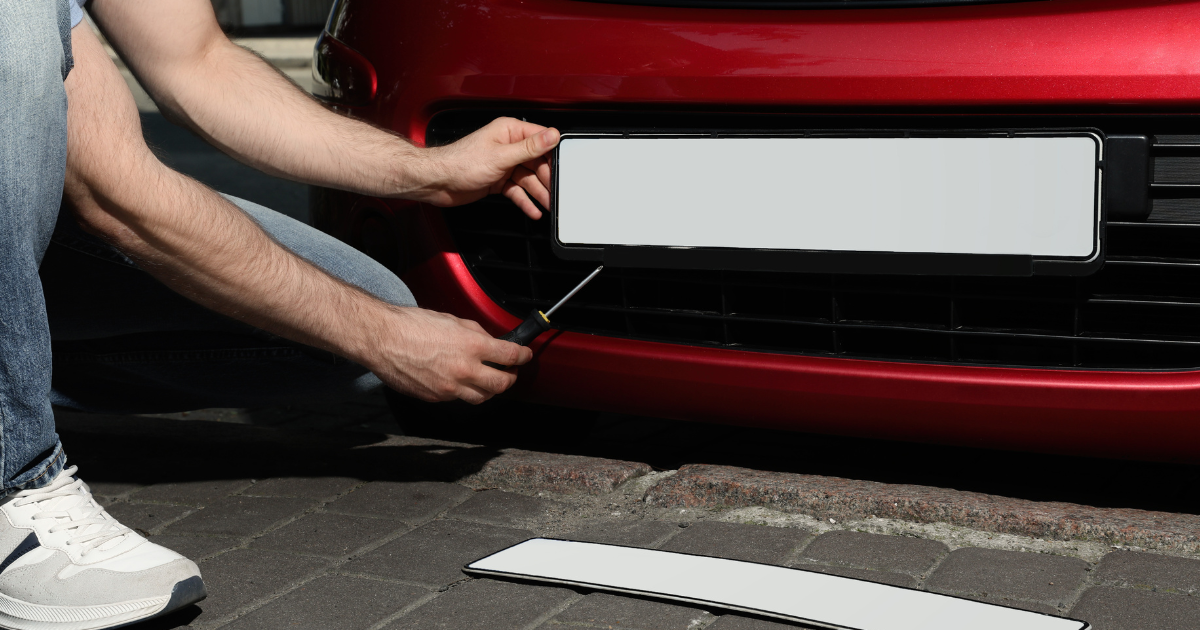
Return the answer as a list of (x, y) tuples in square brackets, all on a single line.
[(1140, 311), (1177, 170), (855, 325)]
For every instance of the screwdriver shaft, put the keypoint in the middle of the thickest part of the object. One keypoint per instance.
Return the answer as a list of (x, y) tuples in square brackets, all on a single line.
[(574, 291)]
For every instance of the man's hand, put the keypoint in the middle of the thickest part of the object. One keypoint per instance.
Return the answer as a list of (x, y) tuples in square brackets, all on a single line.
[(507, 156), (437, 357)]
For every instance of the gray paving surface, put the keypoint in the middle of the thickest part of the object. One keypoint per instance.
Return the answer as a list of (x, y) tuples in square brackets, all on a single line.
[(317, 531)]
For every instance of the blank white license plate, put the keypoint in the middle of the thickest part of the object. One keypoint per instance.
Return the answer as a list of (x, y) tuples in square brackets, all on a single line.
[(1033, 196), (828, 601)]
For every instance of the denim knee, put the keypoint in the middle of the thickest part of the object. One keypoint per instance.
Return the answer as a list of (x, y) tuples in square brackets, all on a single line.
[(335, 257)]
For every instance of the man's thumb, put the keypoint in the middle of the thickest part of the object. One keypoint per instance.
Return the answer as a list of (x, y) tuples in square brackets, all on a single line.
[(536, 146)]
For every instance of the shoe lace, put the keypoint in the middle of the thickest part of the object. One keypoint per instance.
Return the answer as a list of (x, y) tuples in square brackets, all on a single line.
[(92, 525)]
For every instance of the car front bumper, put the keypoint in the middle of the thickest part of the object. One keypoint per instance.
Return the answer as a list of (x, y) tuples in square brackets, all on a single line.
[(1099, 57)]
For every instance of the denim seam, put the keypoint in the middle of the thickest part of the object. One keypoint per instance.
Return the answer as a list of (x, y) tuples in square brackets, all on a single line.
[(60, 458), (60, 455)]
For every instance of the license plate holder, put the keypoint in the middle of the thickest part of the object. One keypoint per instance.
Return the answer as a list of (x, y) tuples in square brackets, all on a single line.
[(1004, 203)]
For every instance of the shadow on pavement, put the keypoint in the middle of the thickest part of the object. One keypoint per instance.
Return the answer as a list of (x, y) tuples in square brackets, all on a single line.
[(143, 451), (178, 619), (287, 442)]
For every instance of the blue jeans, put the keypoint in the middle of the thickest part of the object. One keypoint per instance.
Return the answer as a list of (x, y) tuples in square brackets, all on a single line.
[(35, 56)]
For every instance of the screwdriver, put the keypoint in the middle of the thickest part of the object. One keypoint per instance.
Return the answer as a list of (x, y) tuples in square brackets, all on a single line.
[(539, 322)]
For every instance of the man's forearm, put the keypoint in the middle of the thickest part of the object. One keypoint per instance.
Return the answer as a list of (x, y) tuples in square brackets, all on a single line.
[(287, 133), (218, 257), (242, 105)]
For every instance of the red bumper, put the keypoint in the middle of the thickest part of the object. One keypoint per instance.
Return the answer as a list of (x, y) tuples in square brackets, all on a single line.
[(1138, 415), (1053, 55), (1059, 56)]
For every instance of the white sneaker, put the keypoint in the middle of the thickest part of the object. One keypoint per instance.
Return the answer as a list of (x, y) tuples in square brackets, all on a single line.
[(65, 564)]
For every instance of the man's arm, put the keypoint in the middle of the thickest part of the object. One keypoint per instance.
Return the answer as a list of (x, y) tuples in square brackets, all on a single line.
[(200, 245), (243, 106)]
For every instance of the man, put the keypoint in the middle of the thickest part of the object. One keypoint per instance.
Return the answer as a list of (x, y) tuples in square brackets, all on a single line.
[(270, 309)]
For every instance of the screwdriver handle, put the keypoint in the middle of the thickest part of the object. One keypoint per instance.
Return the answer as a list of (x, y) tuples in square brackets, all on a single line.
[(538, 322), (534, 325)]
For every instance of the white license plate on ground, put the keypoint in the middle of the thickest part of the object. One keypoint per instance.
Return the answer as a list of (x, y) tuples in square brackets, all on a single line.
[(808, 597), (875, 202)]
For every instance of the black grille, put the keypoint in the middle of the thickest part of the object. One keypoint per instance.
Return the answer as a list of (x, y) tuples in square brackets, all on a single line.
[(1140, 311)]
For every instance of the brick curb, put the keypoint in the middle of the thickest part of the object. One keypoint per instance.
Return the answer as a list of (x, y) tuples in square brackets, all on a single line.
[(529, 470), (706, 486), (481, 467)]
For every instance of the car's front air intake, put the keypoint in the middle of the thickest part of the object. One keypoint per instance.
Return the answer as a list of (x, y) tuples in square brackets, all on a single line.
[(1140, 311)]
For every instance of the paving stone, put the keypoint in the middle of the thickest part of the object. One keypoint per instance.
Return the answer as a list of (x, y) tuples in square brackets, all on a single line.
[(194, 547), (240, 516), (1008, 574), (738, 622), (753, 543), (624, 532), (876, 551), (1023, 605), (410, 502), (822, 497), (241, 576), (435, 553), (1135, 609), (324, 534), (112, 488), (337, 601), (504, 508), (317, 422), (1165, 573), (602, 610), (486, 604), (870, 575), (191, 492), (302, 487), (531, 470), (146, 517)]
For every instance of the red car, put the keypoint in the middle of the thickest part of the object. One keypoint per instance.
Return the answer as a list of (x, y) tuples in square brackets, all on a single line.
[(1101, 364)]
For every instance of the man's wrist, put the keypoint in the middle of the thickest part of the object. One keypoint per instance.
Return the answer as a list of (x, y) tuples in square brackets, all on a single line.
[(413, 172), (376, 321)]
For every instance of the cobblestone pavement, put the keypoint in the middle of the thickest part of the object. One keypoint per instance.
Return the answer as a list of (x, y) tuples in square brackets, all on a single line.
[(323, 517)]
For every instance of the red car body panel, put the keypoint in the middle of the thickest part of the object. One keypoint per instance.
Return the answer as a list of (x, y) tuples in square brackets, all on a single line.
[(1057, 56), (1064, 54)]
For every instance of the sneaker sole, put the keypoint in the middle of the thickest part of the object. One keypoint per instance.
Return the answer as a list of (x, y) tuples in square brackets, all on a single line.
[(184, 593)]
